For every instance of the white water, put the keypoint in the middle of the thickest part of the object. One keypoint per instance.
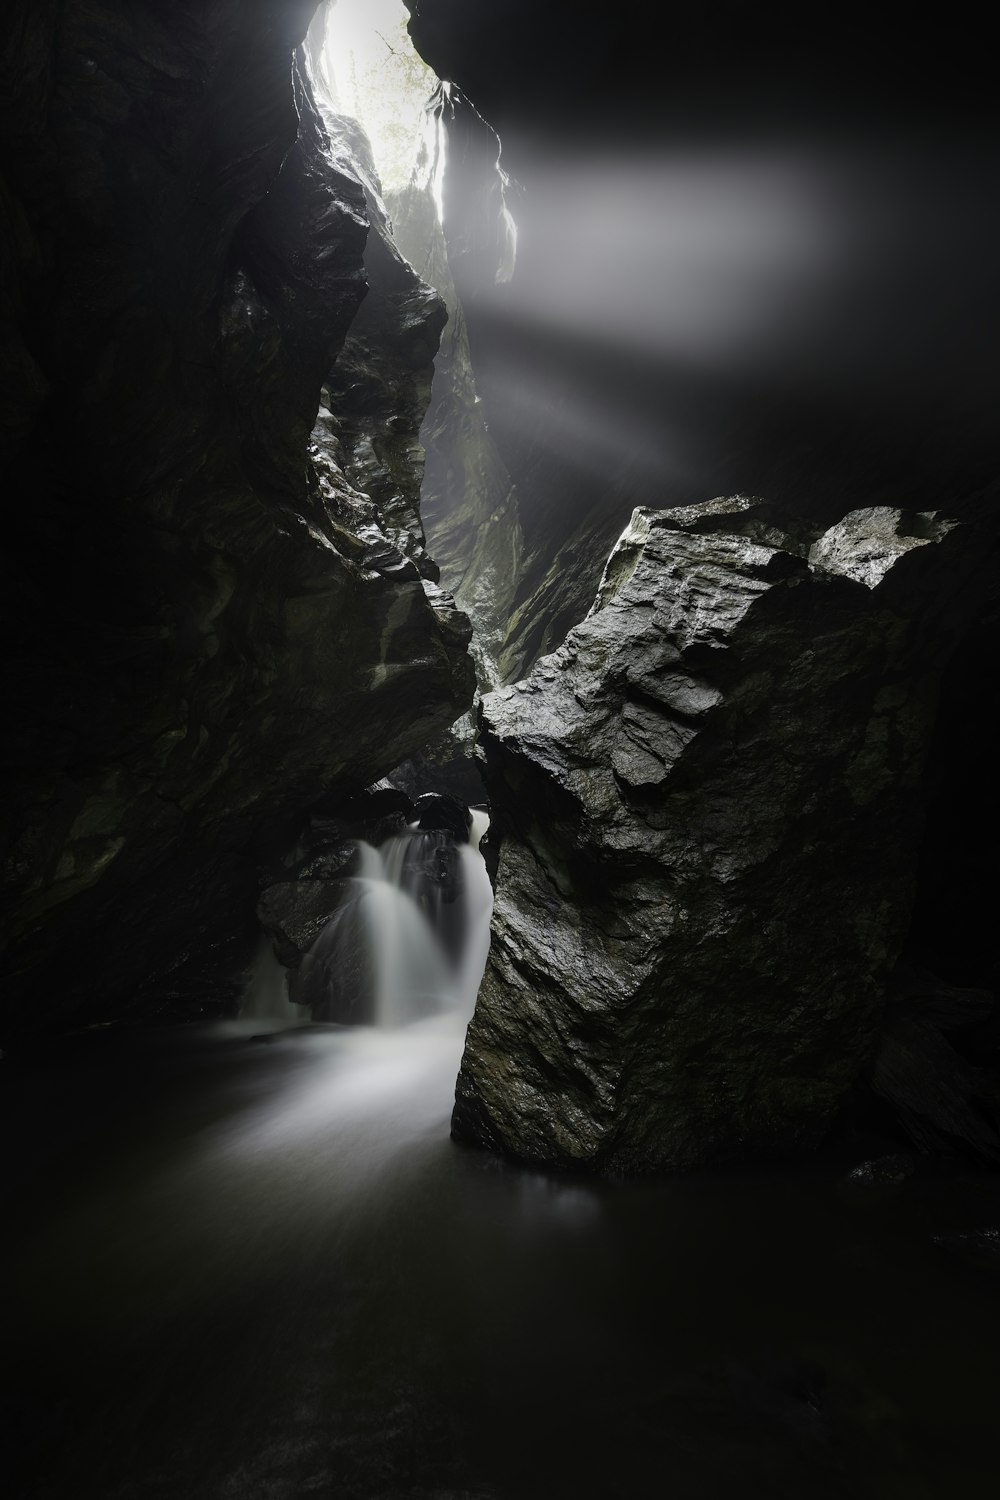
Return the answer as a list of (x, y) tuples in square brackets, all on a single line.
[(265, 999), (415, 975), (365, 1096), (263, 1270), (393, 932)]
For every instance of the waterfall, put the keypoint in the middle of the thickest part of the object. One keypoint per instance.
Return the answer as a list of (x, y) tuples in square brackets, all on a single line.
[(410, 940), (407, 943), (265, 998), (477, 894)]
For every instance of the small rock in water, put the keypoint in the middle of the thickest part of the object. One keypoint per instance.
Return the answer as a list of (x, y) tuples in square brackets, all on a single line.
[(438, 810), (977, 1247), (880, 1174), (336, 863), (949, 1007)]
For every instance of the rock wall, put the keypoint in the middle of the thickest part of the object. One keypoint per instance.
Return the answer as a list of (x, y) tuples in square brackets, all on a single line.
[(468, 501), (613, 378), (216, 609), (709, 806)]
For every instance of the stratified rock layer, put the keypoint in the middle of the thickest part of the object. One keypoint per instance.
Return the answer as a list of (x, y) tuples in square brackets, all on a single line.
[(709, 803), (210, 621)]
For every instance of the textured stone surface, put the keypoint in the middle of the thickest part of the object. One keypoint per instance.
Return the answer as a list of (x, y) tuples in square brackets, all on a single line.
[(468, 502), (885, 403), (295, 912), (709, 801), (213, 623), (943, 1102)]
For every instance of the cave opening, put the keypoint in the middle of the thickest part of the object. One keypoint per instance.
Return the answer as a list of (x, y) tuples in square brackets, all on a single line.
[(499, 997)]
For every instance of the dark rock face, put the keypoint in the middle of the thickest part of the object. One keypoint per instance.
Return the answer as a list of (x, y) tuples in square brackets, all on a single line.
[(217, 623), (977, 1247), (468, 502), (878, 401), (439, 810), (883, 1174), (295, 912), (376, 814), (943, 1102), (709, 800)]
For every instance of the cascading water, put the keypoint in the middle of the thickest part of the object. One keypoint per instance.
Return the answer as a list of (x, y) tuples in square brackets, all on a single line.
[(402, 959), (410, 936), (266, 999), (266, 1271), (407, 943)]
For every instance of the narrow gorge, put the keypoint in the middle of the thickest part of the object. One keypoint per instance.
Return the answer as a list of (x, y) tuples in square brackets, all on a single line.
[(497, 991)]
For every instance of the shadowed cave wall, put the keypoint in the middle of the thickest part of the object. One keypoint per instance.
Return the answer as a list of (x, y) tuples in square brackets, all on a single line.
[(218, 364), (216, 615)]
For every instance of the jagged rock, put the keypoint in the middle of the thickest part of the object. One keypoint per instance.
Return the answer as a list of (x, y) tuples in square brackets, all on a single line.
[(376, 814), (295, 912), (949, 1007), (709, 803), (592, 417), (336, 863), (447, 763), (430, 871), (468, 503), (440, 810), (335, 979), (883, 1174), (366, 442), (224, 627), (977, 1247), (942, 1101)]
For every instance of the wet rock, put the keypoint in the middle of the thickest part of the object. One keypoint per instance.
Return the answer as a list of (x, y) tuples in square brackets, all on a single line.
[(944, 1103), (441, 811), (337, 863), (447, 764), (709, 804), (376, 814), (295, 912), (467, 502), (883, 1174), (233, 612), (336, 980), (949, 1007), (429, 868), (977, 1247), (430, 872)]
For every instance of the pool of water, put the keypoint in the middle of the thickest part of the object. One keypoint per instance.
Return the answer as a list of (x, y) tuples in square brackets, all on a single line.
[(260, 1268)]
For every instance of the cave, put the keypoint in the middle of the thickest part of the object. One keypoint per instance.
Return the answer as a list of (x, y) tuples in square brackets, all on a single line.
[(498, 995)]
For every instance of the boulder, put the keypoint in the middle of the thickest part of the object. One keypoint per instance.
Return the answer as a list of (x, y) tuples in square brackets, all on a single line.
[(336, 979), (883, 1174), (976, 1247), (439, 810), (944, 1103), (376, 814), (709, 803), (295, 912), (430, 871), (949, 1007)]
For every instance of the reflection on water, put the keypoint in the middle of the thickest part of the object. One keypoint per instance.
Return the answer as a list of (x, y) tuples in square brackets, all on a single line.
[(261, 1269)]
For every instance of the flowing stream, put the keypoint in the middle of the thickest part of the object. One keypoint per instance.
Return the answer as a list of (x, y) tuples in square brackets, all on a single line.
[(246, 1262), (418, 944)]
